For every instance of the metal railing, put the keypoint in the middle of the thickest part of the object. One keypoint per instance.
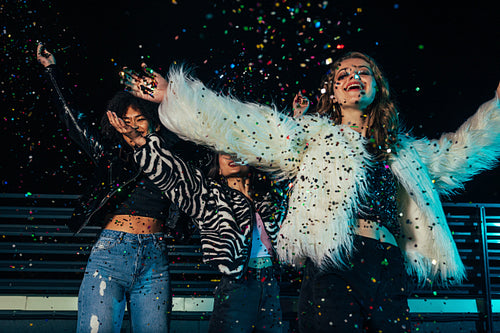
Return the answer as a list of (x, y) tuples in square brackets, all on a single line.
[(40, 256)]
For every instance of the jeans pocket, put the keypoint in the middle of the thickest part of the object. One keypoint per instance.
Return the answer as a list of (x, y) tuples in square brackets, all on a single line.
[(104, 244)]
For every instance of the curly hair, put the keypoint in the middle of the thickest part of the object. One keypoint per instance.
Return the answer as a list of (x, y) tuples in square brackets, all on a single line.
[(119, 104), (382, 114)]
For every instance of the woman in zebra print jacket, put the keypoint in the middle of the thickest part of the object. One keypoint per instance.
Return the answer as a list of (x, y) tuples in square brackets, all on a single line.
[(238, 227)]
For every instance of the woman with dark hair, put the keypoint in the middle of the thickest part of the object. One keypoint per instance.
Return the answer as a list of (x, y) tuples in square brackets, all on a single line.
[(364, 213), (237, 213), (128, 264)]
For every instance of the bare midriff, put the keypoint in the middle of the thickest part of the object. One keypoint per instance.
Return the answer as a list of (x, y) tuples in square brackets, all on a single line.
[(376, 231), (133, 224)]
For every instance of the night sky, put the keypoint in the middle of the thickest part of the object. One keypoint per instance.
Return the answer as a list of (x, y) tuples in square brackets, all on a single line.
[(441, 62)]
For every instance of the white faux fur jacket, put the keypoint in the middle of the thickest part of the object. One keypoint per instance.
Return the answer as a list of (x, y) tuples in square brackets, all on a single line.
[(328, 164)]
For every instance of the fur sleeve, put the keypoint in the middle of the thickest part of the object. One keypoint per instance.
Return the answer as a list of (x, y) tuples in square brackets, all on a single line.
[(257, 134), (456, 157)]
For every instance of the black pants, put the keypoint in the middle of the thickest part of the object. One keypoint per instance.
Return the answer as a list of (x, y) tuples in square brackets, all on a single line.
[(371, 295)]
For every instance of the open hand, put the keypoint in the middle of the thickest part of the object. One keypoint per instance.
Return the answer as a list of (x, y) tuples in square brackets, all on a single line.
[(300, 105), (43, 56), (148, 85), (132, 136)]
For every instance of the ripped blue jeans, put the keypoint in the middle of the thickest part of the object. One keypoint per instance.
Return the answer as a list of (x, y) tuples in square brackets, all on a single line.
[(122, 269)]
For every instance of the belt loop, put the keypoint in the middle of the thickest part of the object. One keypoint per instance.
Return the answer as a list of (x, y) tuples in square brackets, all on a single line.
[(158, 237), (120, 237)]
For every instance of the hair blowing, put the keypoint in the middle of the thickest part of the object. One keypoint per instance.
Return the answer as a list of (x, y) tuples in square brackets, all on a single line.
[(382, 114)]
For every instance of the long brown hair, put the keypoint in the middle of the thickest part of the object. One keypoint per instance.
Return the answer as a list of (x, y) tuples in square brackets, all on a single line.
[(382, 112)]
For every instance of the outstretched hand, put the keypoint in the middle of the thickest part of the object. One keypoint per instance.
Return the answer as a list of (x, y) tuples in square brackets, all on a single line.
[(43, 56), (148, 85), (134, 137)]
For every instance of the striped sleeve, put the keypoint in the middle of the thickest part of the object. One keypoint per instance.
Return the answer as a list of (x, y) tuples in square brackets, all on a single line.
[(183, 185)]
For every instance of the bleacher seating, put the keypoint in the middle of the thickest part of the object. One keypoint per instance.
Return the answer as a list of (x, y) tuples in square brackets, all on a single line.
[(39, 256)]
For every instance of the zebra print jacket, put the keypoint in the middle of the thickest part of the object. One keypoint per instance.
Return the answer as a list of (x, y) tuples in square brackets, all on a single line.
[(224, 216)]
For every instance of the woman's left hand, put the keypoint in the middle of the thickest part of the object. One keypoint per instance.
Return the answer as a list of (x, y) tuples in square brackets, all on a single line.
[(44, 57)]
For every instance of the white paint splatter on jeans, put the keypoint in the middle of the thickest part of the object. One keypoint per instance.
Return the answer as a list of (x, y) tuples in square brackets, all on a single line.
[(94, 324), (102, 286)]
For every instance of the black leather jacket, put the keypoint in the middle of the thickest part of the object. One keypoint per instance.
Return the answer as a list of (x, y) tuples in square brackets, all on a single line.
[(115, 170)]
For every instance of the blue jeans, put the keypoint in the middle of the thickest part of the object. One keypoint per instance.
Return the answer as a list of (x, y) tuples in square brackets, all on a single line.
[(249, 304), (130, 269)]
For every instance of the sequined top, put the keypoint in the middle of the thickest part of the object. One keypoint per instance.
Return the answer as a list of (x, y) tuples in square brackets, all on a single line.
[(380, 205)]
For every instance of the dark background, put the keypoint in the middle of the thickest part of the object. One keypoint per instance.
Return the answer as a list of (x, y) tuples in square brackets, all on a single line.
[(441, 62)]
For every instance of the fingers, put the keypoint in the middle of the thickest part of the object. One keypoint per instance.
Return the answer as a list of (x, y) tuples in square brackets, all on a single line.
[(112, 118), (149, 71), (130, 74), (43, 56), (131, 80), (117, 122), (42, 51), (137, 83), (300, 105), (300, 100), (39, 49)]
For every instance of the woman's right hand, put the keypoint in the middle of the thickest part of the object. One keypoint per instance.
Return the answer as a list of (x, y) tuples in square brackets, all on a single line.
[(134, 138), (150, 85), (44, 57)]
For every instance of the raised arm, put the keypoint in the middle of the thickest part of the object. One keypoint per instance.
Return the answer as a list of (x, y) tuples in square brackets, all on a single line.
[(182, 184), (258, 134), (456, 157), (87, 137)]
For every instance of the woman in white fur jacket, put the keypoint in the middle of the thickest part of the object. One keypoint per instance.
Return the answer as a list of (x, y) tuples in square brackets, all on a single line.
[(364, 215)]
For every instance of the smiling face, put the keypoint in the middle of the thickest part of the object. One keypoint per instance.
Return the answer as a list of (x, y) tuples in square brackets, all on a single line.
[(228, 168), (354, 84), (135, 119)]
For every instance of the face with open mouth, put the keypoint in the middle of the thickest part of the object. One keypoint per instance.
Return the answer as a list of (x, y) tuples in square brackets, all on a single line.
[(355, 84), (230, 168)]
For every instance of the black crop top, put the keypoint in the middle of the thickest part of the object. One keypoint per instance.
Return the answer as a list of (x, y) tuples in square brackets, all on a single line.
[(145, 199), (380, 205)]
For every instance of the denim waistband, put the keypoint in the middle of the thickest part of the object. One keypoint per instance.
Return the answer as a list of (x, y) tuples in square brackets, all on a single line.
[(261, 262), (130, 237)]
